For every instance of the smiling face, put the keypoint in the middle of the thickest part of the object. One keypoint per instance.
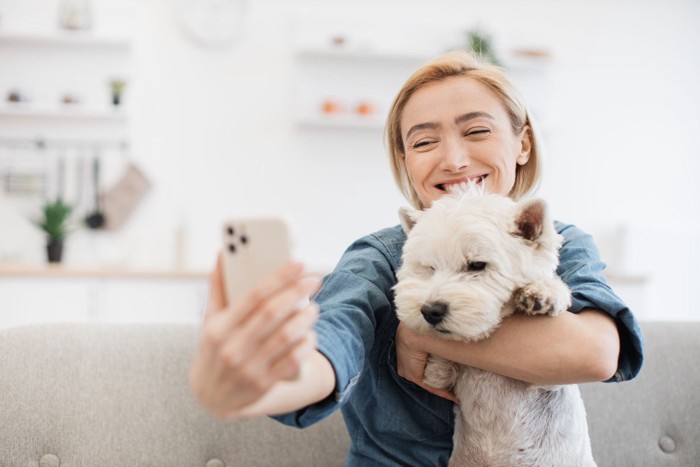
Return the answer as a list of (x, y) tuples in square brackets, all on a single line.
[(456, 130)]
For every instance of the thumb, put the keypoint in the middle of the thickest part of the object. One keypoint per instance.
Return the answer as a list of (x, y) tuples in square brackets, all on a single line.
[(216, 302)]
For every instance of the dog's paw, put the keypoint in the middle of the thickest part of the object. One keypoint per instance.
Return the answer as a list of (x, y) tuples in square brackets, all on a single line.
[(440, 374), (543, 298)]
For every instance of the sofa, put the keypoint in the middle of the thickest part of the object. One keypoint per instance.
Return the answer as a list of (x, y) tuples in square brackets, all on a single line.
[(93, 395)]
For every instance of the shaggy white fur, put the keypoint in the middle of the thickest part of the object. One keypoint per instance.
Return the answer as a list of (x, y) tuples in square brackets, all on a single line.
[(469, 261)]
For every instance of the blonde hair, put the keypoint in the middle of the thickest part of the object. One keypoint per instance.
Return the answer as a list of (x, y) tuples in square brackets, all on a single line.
[(462, 63)]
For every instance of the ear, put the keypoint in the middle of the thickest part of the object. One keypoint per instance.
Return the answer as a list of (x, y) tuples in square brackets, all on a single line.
[(525, 146), (408, 217), (530, 219)]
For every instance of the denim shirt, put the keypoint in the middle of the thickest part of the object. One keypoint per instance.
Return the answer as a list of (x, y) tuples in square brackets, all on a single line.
[(390, 420)]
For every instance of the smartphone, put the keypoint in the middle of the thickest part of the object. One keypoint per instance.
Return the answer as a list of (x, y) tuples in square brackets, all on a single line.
[(252, 250)]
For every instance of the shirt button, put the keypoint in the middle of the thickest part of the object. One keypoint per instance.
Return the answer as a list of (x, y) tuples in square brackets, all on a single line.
[(667, 444), (49, 460), (215, 463)]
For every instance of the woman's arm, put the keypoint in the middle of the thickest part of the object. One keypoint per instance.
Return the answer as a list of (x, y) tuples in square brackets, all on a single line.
[(567, 349), (250, 355), (598, 339)]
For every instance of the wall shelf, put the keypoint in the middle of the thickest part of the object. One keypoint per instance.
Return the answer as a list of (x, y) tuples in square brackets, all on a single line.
[(58, 113), (63, 39), (515, 60), (359, 71), (326, 53), (341, 122), (66, 271)]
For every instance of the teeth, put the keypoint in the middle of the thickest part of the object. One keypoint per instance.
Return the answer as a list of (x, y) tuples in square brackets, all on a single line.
[(478, 180)]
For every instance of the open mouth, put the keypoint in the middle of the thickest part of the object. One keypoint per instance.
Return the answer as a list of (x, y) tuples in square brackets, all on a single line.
[(478, 179)]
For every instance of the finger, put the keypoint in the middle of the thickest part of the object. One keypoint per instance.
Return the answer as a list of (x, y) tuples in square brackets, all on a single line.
[(259, 374), (242, 308), (216, 301), (237, 343), (279, 279), (270, 314), (260, 345), (297, 328), (290, 366)]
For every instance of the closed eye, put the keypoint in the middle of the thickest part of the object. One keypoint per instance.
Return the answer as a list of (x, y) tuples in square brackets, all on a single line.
[(478, 131), (421, 144)]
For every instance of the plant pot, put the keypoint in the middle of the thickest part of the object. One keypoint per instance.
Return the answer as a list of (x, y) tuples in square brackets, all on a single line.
[(54, 249)]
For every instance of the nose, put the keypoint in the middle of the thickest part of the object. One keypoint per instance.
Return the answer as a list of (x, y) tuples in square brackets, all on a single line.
[(455, 157), (434, 312)]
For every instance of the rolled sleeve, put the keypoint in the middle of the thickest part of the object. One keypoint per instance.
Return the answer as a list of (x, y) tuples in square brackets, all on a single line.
[(353, 301), (581, 268)]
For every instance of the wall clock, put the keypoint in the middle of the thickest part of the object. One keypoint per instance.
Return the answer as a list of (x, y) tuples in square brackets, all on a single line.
[(212, 23)]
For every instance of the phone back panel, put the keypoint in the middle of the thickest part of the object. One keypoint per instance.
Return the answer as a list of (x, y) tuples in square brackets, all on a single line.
[(252, 250)]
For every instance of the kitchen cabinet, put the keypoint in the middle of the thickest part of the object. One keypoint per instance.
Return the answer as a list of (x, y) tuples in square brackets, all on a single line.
[(30, 295)]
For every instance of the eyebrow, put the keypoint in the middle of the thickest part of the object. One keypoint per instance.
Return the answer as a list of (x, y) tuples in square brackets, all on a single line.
[(472, 115), (461, 119)]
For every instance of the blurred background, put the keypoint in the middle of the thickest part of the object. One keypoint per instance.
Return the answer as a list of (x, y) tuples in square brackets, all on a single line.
[(155, 120)]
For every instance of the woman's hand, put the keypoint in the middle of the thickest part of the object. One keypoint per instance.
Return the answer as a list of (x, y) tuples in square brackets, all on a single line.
[(247, 347), (411, 360)]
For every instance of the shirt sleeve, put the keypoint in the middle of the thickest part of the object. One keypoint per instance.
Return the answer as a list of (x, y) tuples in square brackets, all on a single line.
[(353, 300), (581, 268)]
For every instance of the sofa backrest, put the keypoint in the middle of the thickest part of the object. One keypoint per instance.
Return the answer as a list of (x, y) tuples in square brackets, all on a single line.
[(85, 395), (653, 420), (88, 395)]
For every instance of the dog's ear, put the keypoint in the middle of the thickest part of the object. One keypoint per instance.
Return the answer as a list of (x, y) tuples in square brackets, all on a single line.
[(530, 219), (408, 217)]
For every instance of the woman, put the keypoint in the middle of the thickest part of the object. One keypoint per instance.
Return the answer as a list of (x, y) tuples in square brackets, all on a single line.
[(455, 119)]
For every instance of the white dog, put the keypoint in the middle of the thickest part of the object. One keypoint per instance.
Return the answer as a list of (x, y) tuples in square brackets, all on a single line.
[(469, 261)]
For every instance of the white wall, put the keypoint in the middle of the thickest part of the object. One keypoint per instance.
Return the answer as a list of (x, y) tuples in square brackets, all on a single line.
[(214, 127)]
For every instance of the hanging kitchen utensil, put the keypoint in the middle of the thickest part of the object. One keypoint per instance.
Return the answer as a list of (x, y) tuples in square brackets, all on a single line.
[(60, 177), (96, 219), (121, 200), (79, 181)]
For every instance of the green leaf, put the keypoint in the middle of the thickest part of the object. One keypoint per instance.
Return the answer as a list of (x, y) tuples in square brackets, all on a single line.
[(55, 219)]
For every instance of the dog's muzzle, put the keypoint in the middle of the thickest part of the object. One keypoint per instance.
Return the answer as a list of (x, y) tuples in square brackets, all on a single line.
[(434, 312)]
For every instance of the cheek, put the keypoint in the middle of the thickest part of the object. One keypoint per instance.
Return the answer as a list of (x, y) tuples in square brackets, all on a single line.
[(504, 177), (500, 184), (418, 173), (414, 168)]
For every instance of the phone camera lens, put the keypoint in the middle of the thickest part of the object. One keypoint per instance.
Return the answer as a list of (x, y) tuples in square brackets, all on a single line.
[(244, 239), (230, 230), (232, 248)]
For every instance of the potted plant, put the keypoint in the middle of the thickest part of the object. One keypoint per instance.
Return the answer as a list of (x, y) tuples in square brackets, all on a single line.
[(117, 87), (481, 43), (55, 223)]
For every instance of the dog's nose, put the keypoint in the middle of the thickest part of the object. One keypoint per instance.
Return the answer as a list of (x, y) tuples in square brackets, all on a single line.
[(434, 312)]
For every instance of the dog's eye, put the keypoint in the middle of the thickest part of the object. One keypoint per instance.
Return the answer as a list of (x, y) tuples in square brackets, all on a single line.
[(476, 266)]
